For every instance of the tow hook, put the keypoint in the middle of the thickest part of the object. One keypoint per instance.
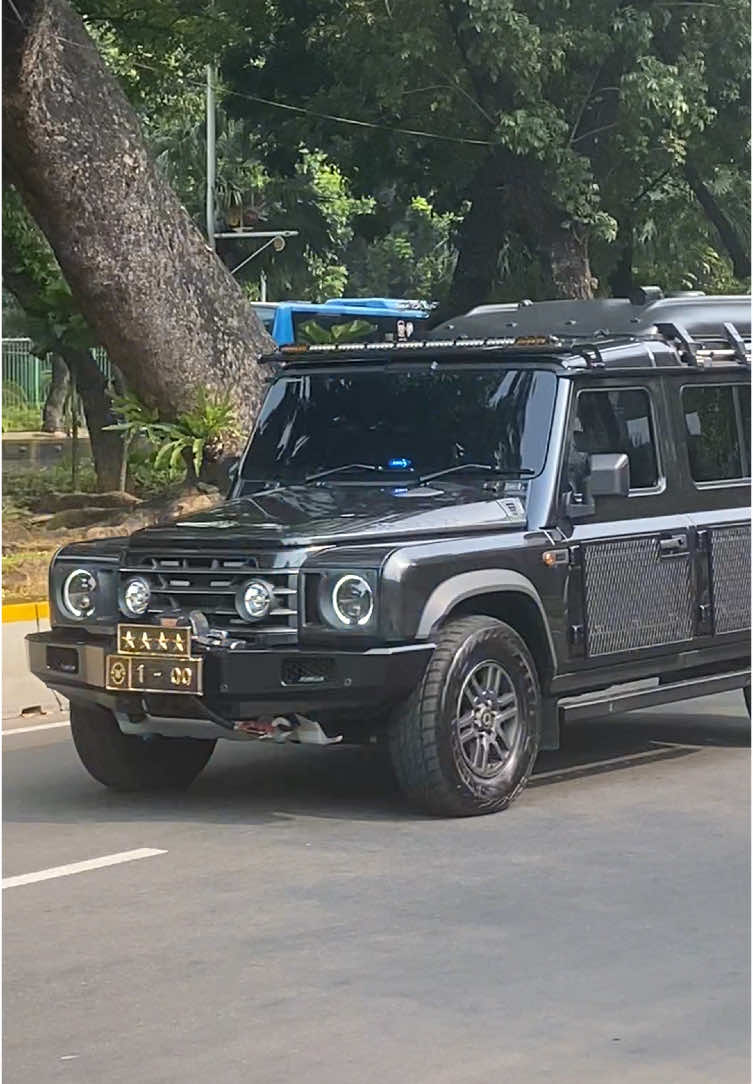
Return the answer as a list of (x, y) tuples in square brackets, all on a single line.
[(281, 729)]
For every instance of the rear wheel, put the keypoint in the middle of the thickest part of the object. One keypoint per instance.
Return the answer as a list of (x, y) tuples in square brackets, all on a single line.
[(130, 762), (465, 741)]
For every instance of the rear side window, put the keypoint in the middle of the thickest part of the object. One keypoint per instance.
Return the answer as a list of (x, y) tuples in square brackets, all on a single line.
[(617, 420), (717, 430)]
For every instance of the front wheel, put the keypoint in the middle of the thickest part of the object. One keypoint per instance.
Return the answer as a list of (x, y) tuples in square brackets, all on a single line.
[(130, 762), (465, 741)]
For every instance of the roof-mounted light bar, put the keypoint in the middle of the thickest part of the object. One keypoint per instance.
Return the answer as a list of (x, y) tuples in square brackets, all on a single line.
[(412, 345)]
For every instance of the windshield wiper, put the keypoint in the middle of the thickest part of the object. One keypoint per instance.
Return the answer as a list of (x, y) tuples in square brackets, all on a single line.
[(523, 472), (336, 470)]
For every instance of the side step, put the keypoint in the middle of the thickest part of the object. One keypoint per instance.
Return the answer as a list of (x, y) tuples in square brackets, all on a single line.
[(616, 703)]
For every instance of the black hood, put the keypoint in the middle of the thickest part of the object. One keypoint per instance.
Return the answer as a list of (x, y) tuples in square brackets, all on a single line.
[(301, 515)]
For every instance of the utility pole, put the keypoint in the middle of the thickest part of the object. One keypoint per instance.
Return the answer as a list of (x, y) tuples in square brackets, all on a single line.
[(211, 152)]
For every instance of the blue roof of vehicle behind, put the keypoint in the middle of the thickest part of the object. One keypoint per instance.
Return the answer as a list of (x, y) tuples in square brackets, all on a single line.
[(396, 303), (356, 306)]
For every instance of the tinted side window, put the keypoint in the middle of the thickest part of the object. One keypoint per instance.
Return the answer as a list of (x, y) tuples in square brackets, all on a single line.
[(618, 420), (714, 419)]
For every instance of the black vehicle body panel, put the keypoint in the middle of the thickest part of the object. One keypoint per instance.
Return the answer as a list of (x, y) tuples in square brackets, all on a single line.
[(331, 514), (642, 586)]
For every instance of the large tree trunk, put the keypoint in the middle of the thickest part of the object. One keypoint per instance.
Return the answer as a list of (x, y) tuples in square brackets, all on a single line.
[(107, 447), (479, 242), (52, 414), (564, 256), (511, 200), (169, 314)]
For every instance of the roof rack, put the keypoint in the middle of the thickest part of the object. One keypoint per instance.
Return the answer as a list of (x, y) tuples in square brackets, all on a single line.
[(729, 347), (604, 318), (706, 352)]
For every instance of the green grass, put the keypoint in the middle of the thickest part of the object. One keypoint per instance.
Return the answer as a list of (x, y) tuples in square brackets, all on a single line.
[(22, 487), (21, 419)]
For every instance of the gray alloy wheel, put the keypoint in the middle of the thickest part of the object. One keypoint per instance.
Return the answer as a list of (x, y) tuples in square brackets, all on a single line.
[(466, 740)]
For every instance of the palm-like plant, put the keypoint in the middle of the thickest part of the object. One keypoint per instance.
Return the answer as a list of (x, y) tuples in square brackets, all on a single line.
[(196, 437)]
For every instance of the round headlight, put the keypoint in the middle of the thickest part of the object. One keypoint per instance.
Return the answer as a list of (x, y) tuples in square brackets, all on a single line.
[(136, 596), (78, 594), (352, 600), (254, 600)]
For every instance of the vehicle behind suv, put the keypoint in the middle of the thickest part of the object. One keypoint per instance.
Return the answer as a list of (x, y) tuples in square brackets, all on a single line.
[(454, 545), (369, 319)]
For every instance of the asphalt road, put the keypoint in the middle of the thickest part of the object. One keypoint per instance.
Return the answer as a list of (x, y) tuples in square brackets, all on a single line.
[(303, 926)]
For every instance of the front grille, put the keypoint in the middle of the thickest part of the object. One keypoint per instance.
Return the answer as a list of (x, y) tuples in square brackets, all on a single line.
[(209, 582)]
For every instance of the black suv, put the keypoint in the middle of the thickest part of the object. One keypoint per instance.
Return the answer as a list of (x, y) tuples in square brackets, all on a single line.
[(459, 544)]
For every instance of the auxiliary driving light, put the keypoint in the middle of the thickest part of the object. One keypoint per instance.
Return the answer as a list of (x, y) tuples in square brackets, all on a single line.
[(254, 600), (136, 596)]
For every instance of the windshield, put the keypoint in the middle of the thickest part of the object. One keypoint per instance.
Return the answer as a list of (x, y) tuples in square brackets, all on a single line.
[(404, 423), (266, 314), (323, 327)]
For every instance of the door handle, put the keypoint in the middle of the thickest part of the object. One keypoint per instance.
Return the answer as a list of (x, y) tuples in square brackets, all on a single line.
[(673, 546)]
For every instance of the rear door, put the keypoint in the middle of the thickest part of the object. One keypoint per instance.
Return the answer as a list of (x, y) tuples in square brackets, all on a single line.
[(711, 415), (631, 589)]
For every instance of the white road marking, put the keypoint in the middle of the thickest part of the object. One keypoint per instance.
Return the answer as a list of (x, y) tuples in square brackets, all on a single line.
[(10, 731), (80, 867)]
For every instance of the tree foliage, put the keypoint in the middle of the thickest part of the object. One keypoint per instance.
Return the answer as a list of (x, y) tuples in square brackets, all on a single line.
[(576, 113)]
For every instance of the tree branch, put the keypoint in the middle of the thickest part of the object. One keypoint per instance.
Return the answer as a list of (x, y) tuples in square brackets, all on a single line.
[(725, 227)]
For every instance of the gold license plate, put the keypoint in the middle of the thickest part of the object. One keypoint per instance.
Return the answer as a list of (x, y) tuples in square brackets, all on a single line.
[(148, 674), (170, 643)]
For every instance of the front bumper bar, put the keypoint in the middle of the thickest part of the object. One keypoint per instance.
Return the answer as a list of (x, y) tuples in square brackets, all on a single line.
[(242, 684)]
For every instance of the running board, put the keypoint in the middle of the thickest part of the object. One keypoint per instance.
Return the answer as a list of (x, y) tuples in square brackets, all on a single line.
[(616, 703)]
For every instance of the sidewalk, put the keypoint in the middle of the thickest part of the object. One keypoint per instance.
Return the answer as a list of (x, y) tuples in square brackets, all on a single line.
[(22, 692)]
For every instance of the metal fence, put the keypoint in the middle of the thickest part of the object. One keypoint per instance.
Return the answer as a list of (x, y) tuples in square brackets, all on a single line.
[(26, 378)]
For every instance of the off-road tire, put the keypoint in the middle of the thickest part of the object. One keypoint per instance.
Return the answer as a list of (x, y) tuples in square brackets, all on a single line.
[(130, 763), (423, 747)]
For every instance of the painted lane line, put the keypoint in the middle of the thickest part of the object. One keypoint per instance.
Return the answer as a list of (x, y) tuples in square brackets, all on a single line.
[(80, 867), (30, 729)]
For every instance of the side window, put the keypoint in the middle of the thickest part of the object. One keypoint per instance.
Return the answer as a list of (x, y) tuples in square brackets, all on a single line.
[(618, 420), (717, 428)]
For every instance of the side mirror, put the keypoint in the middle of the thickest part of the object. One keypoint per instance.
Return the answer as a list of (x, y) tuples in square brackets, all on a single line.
[(610, 475)]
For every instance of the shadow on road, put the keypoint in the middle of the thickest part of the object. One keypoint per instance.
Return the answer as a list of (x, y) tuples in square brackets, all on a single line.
[(262, 784)]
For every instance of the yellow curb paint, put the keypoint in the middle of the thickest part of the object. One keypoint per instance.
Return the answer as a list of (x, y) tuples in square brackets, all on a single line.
[(26, 611)]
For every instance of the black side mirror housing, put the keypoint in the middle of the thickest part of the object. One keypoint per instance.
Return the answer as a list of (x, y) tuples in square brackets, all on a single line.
[(609, 475)]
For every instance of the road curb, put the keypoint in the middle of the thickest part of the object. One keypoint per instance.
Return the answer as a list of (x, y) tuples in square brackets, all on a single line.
[(26, 611)]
